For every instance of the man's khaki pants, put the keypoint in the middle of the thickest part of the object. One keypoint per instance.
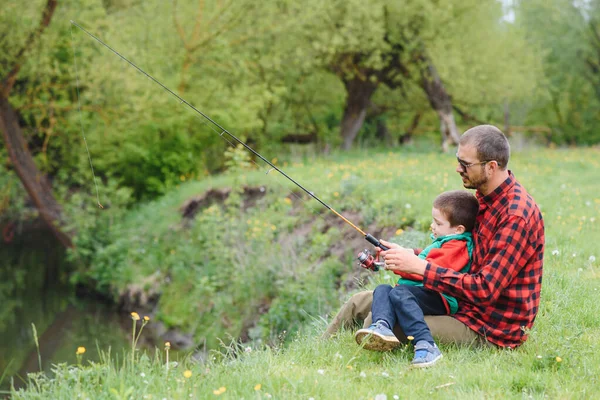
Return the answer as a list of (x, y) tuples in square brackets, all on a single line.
[(444, 328)]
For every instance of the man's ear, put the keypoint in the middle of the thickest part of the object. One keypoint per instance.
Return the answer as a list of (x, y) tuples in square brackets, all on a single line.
[(460, 229)]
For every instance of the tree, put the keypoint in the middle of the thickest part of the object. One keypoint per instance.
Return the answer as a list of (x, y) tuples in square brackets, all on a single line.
[(417, 42), (567, 31), (33, 180)]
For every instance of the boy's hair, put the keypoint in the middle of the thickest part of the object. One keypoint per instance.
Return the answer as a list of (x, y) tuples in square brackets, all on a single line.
[(490, 143), (459, 206)]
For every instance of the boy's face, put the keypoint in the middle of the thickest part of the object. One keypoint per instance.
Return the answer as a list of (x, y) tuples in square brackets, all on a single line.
[(440, 226)]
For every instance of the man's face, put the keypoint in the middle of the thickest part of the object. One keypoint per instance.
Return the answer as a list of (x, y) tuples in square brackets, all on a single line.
[(471, 169)]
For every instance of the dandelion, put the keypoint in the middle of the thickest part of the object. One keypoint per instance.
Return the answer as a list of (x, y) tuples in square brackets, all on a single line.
[(362, 374), (349, 367), (336, 194), (574, 255), (592, 259), (143, 375), (380, 396), (396, 397), (555, 252), (248, 349), (410, 338), (220, 390), (257, 387), (539, 357), (321, 371), (187, 374), (167, 345), (385, 374), (408, 205), (80, 350), (287, 200), (399, 231), (135, 316), (558, 359), (146, 318)]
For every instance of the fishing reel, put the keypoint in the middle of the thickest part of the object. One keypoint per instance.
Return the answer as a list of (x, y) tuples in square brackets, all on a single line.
[(367, 261)]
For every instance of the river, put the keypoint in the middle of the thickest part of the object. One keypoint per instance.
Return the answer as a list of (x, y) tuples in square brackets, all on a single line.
[(35, 289)]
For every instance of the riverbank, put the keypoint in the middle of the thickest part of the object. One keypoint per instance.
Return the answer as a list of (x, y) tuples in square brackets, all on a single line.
[(268, 266)]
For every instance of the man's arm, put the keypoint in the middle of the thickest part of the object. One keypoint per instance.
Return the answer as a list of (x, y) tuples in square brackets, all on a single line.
[(509, 252), (453, 255)]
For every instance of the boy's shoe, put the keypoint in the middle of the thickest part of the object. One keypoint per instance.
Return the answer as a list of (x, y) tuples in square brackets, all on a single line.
[(377, 337), (426, 354)]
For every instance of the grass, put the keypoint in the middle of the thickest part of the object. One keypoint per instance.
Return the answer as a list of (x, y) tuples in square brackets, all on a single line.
[(560, 359)]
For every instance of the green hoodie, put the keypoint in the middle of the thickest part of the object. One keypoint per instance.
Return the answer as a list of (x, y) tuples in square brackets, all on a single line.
[(436, 244)]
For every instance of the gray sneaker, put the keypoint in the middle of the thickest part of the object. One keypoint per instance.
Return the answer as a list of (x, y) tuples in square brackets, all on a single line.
[(426, 354), (377, 337)]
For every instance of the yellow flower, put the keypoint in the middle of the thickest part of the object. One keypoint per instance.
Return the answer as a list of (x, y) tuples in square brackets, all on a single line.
[(220, 390), (558, 359), (349, 366), (335, 194), (135, 316), (167, 345), (80, 350), (187, 374), (146, 318), (399, 231), (287, 200), (411, 338), (257, 387)]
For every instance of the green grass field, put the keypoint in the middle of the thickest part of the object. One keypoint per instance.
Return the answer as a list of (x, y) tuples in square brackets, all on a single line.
[(262, 251)]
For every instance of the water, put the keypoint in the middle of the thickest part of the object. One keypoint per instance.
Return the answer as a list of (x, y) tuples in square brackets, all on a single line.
[(34, 289)]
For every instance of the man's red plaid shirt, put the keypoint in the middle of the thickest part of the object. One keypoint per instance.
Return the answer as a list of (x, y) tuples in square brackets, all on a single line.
[(500, 296)]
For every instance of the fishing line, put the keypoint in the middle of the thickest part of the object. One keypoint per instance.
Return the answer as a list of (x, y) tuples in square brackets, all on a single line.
[(81, 119), (223, 131)]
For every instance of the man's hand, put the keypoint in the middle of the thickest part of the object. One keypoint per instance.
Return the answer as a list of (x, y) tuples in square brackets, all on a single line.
[(398, 258)]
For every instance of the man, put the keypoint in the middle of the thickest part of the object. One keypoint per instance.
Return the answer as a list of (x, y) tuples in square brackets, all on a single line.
[(499, 297)]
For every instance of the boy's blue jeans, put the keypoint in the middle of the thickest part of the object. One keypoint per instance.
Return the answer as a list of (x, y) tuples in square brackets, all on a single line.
[(407, 305)]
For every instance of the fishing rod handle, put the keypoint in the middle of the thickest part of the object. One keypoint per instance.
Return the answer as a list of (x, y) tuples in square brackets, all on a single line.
[(371, 239)]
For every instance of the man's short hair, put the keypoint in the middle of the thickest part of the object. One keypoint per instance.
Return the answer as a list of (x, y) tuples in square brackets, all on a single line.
[(459, 206), (490, 143)]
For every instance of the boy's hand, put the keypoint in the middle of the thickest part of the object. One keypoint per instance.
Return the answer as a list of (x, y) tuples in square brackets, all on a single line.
[(398, 258)]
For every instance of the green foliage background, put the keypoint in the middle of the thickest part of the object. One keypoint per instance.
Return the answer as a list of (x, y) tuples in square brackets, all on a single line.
[(267, 70)]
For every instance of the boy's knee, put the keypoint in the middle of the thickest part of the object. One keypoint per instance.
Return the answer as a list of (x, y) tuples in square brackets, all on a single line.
[(383, 287), (400, 293)]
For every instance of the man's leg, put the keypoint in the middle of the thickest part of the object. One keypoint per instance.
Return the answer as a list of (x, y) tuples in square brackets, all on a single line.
[(447, 329), (443, 327), (356, 309)]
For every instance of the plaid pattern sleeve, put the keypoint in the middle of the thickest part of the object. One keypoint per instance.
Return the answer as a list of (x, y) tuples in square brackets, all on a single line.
[(501, 293)]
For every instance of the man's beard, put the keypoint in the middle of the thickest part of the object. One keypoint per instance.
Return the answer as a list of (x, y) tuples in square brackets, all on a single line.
[(474, 183)]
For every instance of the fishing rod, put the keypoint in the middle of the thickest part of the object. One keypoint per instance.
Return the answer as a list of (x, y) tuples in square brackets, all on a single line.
[(370, 238)]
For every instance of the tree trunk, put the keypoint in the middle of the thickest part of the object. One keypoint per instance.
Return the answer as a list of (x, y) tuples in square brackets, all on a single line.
[(448, 130), (359, 97), (440, 101), (34, 182), (408, 134)]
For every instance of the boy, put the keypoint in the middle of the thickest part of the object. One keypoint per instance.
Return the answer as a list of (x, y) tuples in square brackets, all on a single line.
[(454, 215)]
